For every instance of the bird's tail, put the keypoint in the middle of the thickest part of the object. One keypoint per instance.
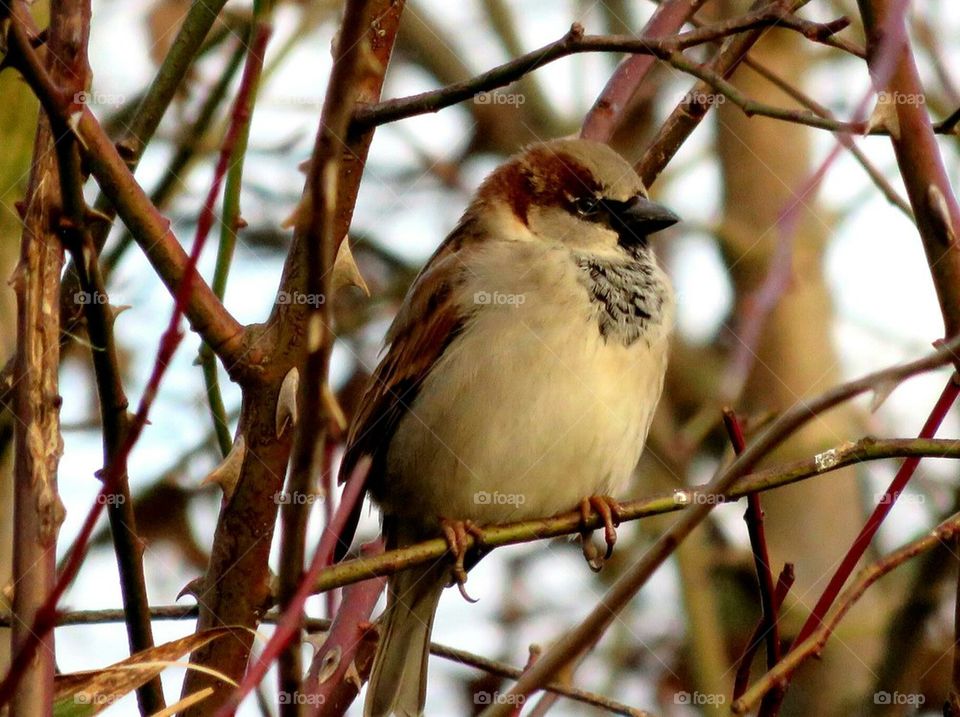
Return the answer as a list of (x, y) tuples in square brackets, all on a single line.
[(398, 681)]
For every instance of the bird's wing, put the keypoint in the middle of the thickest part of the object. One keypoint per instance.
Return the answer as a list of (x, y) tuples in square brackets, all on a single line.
[(428, 321)]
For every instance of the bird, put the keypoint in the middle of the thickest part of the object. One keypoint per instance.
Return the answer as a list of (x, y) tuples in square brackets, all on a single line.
[(519, 379)]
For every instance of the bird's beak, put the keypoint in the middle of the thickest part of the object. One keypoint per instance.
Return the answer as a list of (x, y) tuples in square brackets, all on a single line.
[(643, 217)]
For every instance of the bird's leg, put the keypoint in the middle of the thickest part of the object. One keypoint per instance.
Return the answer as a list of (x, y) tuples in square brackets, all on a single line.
[(608, 509), (455, 532)]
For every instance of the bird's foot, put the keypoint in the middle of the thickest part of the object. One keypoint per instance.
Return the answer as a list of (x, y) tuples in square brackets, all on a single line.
[(609, 510), (455, 532)]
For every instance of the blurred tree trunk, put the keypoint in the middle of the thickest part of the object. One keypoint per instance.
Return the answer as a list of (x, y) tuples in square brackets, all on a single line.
[(765, 165)]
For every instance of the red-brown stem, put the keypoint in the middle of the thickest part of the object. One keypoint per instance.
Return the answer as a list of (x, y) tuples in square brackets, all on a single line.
[(602, 119), (894, 70), (742, 680), (351, 641), (758, 543), (889, 497), (316, 226)]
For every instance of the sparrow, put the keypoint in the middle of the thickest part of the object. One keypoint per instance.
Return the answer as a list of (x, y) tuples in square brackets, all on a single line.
[(519, 378)]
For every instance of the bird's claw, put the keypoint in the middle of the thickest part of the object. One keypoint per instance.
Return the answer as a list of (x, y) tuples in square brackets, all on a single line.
[(455, 533), (609, 510)]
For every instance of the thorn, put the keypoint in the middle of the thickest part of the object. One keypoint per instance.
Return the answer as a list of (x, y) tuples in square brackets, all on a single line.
[(193, 588), (884, 116), (227, 473), (240, 223), (880, 394), (291, 221), (334, 410), (345, 270), (117, 309), (940, 211), (352, 675), (95, 216), (287, 401), (21, 208)]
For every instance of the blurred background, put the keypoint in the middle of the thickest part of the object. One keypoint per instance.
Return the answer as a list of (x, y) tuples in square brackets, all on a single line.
[(768, 314)]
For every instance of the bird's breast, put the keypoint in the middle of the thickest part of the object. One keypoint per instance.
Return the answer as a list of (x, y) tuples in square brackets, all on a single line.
[(533, 406)]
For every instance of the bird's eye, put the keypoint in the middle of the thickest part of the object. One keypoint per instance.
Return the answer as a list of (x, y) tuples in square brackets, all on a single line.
[(586, 206)]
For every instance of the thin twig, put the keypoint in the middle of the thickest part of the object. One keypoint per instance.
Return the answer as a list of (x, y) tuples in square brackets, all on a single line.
[(114, 416), (241, 119)]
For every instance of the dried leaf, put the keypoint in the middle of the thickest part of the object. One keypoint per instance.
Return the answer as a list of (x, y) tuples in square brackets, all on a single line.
[(87, 693)]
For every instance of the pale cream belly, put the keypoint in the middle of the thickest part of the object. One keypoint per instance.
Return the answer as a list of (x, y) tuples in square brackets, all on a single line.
[(518, 422)]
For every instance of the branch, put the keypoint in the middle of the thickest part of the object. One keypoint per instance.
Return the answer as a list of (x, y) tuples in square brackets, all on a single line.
[(575, 42), (38, 444), (607, 112), (894, 71), (316, 230), (942, 534), (866, 449), (236, 587), (115, 419)]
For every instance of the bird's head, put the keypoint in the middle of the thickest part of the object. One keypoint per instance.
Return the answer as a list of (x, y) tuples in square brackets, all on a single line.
[(573, 191)]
